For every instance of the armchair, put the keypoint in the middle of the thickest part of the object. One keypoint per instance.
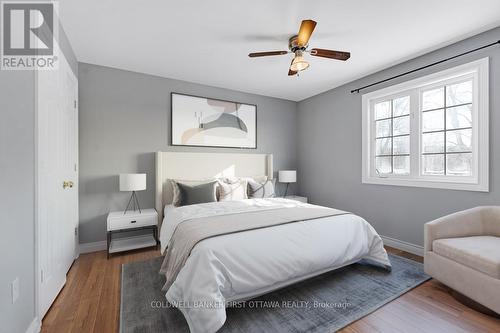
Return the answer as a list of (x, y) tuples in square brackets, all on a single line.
[(462, 250)]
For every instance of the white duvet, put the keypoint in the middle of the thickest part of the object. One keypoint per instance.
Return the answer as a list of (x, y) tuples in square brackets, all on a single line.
[(246, 264)]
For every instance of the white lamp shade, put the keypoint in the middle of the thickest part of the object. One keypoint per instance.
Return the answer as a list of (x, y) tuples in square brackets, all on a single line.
[(287, 176), (132, 182)]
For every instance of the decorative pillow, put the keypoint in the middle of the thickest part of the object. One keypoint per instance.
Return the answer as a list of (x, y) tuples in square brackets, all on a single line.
[(261, 188), (190, 195), (176, 194), (232, 189)]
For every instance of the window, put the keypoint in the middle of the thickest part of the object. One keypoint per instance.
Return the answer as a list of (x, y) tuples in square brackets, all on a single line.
[(429, 132), (392, 136), (447, 129)]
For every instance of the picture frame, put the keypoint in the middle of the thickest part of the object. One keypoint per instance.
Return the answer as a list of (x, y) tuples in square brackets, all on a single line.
[(198, 121)]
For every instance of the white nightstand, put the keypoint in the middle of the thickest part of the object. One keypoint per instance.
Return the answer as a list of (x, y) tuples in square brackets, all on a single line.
[(133, 220), (296, 198)]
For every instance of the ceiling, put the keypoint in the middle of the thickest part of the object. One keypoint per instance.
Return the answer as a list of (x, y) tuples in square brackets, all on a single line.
[(208, 41)]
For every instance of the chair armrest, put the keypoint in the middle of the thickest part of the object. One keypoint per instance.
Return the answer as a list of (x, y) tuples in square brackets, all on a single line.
[(461, 224), (491, 220)]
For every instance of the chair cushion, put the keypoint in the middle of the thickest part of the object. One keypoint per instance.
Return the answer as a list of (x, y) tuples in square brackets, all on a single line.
[(481, 253)]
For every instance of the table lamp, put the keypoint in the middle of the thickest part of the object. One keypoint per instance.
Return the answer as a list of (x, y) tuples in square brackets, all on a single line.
[(133, 182), (287, 176)]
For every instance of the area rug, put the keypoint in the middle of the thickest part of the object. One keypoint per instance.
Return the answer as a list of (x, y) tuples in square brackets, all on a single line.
[(325, 303)]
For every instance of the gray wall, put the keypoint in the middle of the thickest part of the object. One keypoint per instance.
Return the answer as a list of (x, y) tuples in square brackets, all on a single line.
[(64, 45), (17, 193), (125, 117), (67, 50), (17, 188), (330, 152)]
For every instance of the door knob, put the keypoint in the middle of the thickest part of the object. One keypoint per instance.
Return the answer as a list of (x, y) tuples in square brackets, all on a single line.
[(68, 183)]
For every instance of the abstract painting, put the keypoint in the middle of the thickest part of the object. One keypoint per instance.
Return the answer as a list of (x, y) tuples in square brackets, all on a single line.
[(207, 122)]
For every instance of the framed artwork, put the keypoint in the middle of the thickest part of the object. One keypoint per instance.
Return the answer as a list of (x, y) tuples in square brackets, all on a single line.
[(207, 122)]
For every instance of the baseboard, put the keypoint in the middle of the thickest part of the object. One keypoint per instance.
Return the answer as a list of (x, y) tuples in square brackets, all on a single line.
[(389, 241), (92, 247), (404, 246), (35, 326)]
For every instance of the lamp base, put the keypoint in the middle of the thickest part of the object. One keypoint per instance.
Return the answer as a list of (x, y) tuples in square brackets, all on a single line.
[(133, 198), (286, 190)]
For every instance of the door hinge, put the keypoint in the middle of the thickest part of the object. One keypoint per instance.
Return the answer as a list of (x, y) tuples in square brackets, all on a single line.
[(75, 167), (75, 103), (76, 231), (41, 275)]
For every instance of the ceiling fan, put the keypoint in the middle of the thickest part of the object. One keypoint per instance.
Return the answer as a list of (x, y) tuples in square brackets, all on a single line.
[(298, 45)]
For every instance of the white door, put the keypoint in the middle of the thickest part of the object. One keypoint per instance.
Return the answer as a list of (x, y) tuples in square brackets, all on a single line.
[(57, 193)]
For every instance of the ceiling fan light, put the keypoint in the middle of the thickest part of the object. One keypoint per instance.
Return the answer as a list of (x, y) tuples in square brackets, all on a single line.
[(299, 63)]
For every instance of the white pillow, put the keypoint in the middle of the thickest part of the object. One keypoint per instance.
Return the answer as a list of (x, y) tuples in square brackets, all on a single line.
[(261, 188), (232, 189)]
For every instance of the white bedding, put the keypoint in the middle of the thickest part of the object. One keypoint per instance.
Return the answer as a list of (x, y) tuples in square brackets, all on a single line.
[(246, 264)]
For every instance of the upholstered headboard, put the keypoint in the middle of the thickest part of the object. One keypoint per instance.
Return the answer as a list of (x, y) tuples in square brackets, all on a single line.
[(202, 166)]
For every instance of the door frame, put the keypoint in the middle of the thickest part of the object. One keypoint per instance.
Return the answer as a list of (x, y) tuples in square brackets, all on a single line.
[(37, 322)]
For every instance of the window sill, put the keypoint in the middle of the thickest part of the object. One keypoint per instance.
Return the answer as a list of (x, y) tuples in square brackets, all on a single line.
[(464, 186)]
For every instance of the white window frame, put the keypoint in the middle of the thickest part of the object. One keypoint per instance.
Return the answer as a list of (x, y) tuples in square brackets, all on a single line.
[(479, 181)]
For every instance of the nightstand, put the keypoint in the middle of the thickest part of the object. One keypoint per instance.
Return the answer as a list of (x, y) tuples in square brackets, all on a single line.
[(131, 221), (296, 198)]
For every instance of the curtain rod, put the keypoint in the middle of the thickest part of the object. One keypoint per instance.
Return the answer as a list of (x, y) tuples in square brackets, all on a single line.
[(357, 90)]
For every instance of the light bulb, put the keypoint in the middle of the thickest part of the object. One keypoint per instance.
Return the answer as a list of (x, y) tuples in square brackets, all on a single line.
[(299, 63)]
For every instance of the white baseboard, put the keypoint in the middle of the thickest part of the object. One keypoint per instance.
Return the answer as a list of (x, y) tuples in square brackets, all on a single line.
[(402, 245), (35, 326), (92, 247), (389, 241)]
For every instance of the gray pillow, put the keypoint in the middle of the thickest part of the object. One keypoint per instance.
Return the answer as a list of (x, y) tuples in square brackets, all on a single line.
[(191, 195), (176, 194)]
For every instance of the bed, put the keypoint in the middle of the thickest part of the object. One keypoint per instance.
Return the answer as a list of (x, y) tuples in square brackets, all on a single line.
[(220, 253)]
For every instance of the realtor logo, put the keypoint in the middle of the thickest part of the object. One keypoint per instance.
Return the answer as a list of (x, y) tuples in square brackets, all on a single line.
[(28, 34)]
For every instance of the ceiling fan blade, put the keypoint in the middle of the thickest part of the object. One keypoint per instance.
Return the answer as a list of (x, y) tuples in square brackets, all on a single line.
[(265, 54), (290, 72), (339, 55), (305, 32)]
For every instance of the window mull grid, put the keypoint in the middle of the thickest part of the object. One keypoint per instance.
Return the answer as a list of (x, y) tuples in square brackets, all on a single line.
[(395, 133), (357, 90)]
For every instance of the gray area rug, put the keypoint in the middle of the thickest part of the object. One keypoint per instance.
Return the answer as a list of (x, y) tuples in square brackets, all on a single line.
[(325, 303)]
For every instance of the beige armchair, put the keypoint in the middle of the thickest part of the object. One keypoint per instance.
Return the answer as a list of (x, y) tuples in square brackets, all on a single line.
[(462, 250)]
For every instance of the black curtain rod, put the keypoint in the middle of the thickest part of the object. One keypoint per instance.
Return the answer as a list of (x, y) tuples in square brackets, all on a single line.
[(424, 67)]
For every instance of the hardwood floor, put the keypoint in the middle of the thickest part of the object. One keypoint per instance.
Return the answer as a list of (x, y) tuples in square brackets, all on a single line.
[(90, 302)]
